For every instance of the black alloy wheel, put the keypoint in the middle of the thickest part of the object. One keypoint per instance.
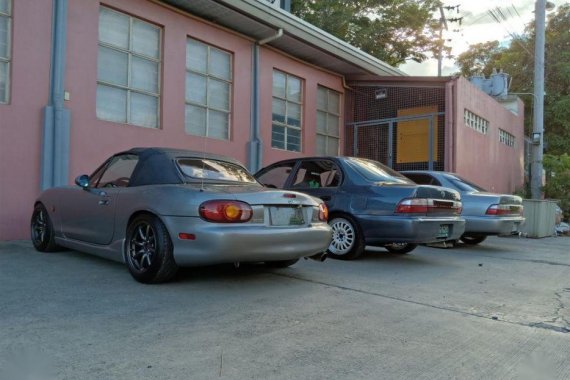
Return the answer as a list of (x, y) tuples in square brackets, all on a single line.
[(149, 250), (43, 237)]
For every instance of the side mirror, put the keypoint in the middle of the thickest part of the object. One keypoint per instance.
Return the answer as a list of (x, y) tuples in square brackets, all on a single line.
[(82, 181)]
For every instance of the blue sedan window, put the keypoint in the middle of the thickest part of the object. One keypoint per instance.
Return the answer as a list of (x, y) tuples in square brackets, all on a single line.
[(376, 172), (197, 168)]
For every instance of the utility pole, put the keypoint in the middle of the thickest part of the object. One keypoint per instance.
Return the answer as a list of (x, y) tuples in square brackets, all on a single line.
[(443, 23), (538, 127)]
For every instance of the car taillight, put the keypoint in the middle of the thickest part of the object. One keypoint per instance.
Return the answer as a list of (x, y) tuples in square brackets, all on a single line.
[(426, 205), (412, 206), (323, 212), (225, 211), (499, 209)]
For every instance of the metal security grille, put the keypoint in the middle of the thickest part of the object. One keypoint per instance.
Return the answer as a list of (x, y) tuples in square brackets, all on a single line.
[(403, 128)]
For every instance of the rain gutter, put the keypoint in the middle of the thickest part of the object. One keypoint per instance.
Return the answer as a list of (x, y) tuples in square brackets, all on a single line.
[(255, 145), (56, 118)]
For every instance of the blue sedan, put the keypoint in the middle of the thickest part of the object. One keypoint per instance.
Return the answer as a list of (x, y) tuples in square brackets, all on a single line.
[(370, 204)]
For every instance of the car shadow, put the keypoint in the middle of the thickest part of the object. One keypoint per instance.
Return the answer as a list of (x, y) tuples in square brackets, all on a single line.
[(381, 255)]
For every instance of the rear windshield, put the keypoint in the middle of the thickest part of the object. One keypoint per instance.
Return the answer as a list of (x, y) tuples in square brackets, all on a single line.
[(463, 184), (376, 172), (200, 168)]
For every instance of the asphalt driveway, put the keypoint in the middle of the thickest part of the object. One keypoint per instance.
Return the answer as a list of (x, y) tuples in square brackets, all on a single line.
[(497, 311)]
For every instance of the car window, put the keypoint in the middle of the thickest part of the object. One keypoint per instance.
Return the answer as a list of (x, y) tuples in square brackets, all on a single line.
[(376, 172), (209, 169), (276, 176), (317, 173), (423, 179), (463, 185), (118, 172)]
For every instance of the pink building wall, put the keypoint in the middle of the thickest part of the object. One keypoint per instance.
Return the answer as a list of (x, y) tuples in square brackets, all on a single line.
[(21, 119), (93, 140), (483, 158)]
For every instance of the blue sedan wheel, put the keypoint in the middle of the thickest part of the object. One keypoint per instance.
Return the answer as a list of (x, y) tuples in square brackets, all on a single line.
[(347, 242), (400, 248)]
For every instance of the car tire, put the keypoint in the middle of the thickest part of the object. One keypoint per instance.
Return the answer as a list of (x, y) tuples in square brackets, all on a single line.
[(42, 233), (149, 250), (347, 240), (400, 248), (280, 263), (473, 239)]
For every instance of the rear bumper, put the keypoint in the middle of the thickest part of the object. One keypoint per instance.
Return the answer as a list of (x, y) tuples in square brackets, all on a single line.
[(493, 225), (226, 243), (416, 230)]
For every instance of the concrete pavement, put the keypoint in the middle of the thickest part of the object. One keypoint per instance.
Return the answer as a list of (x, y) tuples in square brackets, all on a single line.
[(495, 311)]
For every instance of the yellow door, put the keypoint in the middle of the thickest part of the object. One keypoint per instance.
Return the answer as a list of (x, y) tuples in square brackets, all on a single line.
[(412, 141)]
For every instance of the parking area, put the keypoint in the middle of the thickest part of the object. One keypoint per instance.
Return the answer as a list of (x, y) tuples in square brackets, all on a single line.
[(498, 310)]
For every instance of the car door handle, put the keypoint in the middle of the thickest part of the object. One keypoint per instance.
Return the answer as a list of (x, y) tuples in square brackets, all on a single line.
[(326, 197), (103, 202)]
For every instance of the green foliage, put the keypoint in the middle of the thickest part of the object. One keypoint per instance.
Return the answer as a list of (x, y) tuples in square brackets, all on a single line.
[(391, 30), (479, 59), (558, 179), (517, 60)]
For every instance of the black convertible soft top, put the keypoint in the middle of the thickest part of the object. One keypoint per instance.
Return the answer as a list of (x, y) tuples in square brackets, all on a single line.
[(157, 166)]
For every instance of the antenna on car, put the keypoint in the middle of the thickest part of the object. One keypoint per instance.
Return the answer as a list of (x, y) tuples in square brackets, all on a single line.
[(204, 147)]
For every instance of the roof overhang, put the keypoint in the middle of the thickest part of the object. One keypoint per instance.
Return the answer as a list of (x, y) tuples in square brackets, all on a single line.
[(258, 20), (396, 81)]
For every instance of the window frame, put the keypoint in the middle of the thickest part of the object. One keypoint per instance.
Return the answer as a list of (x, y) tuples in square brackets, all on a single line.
[(327, 112), (506, 138), (284, 124), (101, 171), (475, 122), (8, 59), (130, 54), (207, 75)]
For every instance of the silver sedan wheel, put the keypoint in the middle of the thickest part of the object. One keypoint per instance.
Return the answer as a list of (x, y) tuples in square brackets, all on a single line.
[(344, 236), (142, 246)]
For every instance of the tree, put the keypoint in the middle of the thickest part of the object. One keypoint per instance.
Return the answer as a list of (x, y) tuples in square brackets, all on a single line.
[(517, 60), (391, 30), (558, 179), (479, 59)]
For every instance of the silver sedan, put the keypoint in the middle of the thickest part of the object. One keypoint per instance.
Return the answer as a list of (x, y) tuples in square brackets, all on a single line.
[(156, 209), (485, 213)]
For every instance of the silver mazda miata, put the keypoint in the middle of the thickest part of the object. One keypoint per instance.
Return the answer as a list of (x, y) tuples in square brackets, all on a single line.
[(156, 209)]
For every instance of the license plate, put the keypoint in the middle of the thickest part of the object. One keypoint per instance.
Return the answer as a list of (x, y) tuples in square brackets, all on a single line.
[(286, 216), (443, 231)]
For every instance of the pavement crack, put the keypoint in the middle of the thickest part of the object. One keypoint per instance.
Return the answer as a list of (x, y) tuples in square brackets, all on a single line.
[(558, 316), (541, 325), (528, 260), (547, 326)]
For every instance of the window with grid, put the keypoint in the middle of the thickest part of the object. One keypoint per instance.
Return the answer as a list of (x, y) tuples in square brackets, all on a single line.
[(506, 138), (475, 122), (5, 37), (328, 120), (208, 90), (286, 110), (128, 69)]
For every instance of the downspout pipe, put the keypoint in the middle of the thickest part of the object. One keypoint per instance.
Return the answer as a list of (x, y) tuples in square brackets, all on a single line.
[(255, 145), (57, 120)]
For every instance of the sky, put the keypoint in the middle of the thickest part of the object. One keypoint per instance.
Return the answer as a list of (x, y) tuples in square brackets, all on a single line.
[(478, 26)]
